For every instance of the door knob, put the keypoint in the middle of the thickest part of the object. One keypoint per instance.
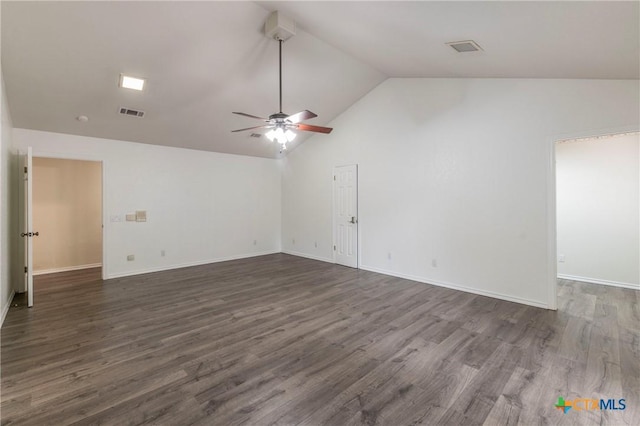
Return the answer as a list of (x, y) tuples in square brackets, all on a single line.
[(353, 220), (30, 234)]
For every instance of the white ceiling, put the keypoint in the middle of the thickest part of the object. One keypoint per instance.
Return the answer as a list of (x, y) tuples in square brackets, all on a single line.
[(535, 39), (206, 59)]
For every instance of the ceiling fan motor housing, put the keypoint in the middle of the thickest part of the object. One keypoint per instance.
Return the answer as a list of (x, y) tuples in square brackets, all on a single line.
[(279, 116), (279, 26)]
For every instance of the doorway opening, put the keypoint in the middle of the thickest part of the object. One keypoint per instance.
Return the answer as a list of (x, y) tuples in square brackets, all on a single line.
[(597, 213), (67, 209)]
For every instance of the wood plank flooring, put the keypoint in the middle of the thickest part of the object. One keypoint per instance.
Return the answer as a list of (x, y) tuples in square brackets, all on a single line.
[(284, 340)]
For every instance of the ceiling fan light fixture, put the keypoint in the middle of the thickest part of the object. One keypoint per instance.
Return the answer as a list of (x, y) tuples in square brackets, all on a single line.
[(271, 135), (290, 135), (280, 135)]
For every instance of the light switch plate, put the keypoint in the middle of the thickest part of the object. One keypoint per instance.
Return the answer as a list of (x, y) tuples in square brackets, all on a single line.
[(141, 215), (131, 217)]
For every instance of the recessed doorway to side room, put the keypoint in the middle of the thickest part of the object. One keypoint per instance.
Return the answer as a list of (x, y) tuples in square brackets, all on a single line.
[(67, 213), (597, 215)]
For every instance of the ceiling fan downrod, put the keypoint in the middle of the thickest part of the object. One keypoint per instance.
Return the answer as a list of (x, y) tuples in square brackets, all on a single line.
[(280, 125), (280, 41)]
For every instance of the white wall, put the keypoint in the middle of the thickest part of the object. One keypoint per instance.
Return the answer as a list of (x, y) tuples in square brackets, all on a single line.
[(6, 289), (202, 207), (598, 202), (67, 214), (454, 170)]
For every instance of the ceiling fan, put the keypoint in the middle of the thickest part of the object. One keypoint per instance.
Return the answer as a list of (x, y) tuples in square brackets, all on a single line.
[(281, 124)]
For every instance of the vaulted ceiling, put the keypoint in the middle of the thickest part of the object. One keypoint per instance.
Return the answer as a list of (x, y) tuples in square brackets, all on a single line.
[(203, 60)]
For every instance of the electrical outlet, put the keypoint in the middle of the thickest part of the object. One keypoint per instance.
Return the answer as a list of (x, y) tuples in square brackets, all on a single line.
[(162, 253), (434, 262), (131, 257), (293, 241), (389, 256), (561, 258), (255, 242), (315, 244)]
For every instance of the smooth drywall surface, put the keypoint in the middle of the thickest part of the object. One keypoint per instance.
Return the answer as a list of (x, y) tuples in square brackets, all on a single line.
[(67, 214), (201, 207), (597, 190), (453, 177), (6, 289)]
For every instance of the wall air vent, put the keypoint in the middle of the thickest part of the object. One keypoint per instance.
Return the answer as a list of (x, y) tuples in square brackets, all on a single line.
[(255, 135), (465, 46), (131, 112)]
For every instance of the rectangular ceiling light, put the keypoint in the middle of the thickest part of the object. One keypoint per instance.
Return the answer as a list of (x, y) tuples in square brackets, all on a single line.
[(131, 82)]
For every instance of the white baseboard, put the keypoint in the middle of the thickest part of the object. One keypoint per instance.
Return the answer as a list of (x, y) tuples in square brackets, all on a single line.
[(5, 308), (308, 256), (324, 259), (67, 269), (459, 287), (599, 281), (188, 264)]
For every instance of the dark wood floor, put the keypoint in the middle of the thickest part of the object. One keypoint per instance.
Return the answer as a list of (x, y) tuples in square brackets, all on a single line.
[(285, 340)]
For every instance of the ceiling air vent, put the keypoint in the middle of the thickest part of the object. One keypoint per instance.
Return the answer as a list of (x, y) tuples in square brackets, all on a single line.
[(255, 135), (131, 112), (465, 46)]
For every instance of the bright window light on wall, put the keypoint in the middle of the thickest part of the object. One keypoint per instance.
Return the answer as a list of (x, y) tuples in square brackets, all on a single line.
[(129, 82)]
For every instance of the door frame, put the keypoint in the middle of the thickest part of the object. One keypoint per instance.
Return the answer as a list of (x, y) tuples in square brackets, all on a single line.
[(25, 222), (552, 230), (88, 157), (333, 213)]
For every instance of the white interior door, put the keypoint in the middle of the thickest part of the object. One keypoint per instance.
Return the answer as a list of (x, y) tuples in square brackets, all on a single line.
[(345, 207), (26, 220)]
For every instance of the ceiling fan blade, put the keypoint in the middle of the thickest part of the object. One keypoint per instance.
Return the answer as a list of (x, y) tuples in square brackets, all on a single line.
[(251, 128), (301, 116), (250, 116), (310, 128)]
